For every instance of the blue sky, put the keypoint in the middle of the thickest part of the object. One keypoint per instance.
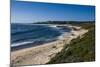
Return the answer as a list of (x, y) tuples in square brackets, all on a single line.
[(29, 12)]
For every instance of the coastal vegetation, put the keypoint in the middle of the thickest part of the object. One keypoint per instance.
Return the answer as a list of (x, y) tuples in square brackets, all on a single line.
[(81, 49)]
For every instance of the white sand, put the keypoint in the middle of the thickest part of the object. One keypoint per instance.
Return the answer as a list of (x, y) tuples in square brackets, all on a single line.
[(43, 53)]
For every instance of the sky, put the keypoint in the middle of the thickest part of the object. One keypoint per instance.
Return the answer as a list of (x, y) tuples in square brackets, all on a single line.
[(30, 12)]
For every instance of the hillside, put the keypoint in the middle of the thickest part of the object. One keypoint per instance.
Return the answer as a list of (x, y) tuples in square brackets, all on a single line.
[(80, 49)]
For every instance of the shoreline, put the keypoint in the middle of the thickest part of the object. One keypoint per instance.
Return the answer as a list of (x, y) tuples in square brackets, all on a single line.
[(23, 45), (41, 54), (29, 45)]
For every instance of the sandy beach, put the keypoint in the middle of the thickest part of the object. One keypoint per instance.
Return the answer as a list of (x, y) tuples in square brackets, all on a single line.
[(43, 53)]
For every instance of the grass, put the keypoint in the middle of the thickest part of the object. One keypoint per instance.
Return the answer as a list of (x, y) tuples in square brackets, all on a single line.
[(80, 50)]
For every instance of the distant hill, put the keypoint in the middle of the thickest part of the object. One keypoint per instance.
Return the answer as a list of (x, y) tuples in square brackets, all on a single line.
[(64, 22)]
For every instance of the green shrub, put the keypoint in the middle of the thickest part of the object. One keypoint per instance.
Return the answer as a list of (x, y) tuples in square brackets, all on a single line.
[(81, 50)]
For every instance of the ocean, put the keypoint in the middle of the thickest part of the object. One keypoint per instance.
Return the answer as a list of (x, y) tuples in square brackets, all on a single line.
[(22, 34)]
